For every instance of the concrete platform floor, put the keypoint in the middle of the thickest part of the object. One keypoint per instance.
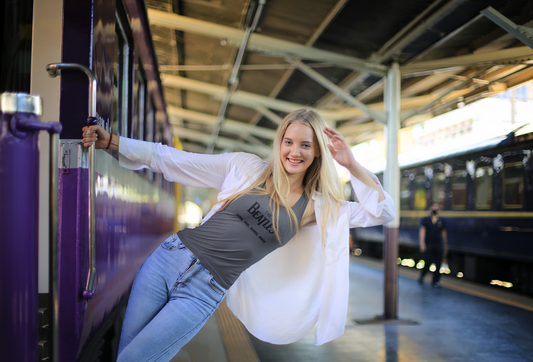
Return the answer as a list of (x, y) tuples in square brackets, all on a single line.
[(452, 326)]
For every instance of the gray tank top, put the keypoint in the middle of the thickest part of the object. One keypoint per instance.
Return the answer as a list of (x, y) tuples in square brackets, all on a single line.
[(240, 235)]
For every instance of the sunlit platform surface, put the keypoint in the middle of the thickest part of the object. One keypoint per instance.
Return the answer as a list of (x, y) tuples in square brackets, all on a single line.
[(458, 322)]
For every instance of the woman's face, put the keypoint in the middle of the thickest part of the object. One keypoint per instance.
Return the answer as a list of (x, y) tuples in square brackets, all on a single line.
[(299, 147)]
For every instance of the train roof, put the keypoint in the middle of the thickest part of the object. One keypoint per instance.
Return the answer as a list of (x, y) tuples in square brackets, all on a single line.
[(521, 134), (421, 157), (449, 53)]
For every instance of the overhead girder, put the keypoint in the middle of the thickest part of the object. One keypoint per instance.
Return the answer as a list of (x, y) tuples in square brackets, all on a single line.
[(444, 95), (232, 81), (505, 56), (261, 43), (222, 142), (269, 114), (291, 50), (425, 20), (251, 100), (242, 98), (229, 125), (374, 114)]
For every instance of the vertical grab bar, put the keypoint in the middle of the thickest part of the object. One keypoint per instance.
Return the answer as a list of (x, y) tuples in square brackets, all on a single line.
[(54, 69), (54, 244)]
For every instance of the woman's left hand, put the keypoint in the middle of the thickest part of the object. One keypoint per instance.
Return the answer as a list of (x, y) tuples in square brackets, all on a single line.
[(339, 149)]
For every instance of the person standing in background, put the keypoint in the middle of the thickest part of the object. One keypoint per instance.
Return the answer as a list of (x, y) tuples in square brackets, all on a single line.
[(433, 243)]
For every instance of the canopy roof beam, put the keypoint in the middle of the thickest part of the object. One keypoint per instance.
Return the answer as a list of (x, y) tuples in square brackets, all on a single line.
[(233, 81), (332, 87), (261, 43), (229, 125), (505, 56), (221, 142)]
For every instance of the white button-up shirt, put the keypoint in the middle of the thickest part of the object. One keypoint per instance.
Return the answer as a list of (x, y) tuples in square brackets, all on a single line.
[(305, 283)]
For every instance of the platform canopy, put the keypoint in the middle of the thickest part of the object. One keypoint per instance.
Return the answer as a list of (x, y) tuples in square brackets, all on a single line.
[(232, 69)]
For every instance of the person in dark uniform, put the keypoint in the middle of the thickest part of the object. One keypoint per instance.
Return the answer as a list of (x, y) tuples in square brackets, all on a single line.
[(433, 243)]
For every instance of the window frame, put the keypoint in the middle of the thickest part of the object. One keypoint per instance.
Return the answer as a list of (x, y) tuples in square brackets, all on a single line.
[(513, 206), (441, 205), (141, 103), (408, 189), (463, 206), (124, 38), (476, 204), (425, 189)]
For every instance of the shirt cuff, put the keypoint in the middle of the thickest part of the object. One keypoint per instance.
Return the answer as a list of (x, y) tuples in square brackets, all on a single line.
[(134, 154), (367, 196)]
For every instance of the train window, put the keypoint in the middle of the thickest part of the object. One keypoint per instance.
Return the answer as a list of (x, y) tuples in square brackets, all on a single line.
[(513, 185), (150, 123), (149, 129), (483, 187), (15, 58), (121, 79), (459, 189), (420, 192), (438, 188), (405, 194), (141, 104)]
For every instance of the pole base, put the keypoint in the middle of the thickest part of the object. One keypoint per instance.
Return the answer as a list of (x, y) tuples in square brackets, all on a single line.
[(379, 319)]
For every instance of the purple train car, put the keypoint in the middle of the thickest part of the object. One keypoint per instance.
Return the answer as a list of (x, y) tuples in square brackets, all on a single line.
[(90, 61)]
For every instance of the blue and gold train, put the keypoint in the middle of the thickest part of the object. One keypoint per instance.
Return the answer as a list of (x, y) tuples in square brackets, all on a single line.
[(486, 198)]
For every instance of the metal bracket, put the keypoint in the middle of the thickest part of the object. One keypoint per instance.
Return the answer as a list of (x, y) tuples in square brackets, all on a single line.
[(72, 155), (522, 33)]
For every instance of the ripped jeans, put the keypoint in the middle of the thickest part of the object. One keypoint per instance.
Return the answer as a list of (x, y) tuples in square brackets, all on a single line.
[(172, 297)]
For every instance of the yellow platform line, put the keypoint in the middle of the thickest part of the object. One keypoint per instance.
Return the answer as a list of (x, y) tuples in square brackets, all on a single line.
[(238, 346), (463, 286)]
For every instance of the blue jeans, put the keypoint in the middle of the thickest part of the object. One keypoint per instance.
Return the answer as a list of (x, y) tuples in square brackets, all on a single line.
[(172, 297)]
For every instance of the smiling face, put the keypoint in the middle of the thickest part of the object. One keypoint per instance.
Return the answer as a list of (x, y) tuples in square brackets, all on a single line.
[(298, 150)]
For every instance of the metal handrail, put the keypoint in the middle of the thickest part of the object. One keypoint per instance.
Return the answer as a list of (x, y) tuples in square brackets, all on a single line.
[(54, 243), (54, 69)]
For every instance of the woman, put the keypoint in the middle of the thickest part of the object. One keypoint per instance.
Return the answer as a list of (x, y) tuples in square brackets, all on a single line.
[(278, 293)]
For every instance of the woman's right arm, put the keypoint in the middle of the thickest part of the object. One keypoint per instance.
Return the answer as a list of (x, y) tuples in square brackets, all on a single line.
[(191, 169)]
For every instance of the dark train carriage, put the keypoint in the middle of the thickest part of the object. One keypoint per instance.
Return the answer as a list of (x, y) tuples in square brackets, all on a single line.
[(104, 69), (486, 198)]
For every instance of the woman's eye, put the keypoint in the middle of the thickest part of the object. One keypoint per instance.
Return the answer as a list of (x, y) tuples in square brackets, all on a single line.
[(307, 146)]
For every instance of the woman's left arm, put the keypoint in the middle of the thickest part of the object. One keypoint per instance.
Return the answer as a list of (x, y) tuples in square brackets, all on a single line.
[(343, 155)]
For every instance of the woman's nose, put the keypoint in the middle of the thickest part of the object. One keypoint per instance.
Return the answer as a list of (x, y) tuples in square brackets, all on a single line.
[(295, 150)]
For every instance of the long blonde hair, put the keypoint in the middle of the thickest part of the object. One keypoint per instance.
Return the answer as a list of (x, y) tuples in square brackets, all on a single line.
[(321, 176)]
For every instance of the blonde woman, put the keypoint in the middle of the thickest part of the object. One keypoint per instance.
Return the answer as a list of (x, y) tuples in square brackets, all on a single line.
[(279, 289)]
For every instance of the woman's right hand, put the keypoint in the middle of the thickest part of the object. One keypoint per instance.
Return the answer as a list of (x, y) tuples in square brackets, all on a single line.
[(97, 135)]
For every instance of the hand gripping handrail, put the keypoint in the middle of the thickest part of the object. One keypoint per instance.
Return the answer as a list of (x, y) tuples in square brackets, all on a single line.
[(54, 70)]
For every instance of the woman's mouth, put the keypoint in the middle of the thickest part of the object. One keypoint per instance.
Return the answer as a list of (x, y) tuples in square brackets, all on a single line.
[(294, 162)]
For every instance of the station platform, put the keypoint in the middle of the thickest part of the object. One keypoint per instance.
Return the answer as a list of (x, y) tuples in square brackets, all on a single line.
[(459, 322)]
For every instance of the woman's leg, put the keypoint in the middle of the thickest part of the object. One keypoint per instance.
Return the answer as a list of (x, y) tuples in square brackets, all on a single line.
[(149, 292), (193, 299), (172, 297)]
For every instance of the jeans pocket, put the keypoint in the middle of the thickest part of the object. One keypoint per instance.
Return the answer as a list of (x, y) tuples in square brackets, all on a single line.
[(216, 287), (172, 243)]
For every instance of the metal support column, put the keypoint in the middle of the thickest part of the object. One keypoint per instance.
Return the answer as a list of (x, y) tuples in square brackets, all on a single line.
[(392, 186)]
